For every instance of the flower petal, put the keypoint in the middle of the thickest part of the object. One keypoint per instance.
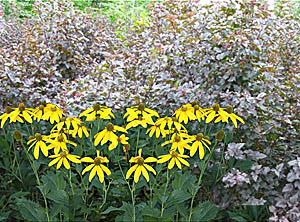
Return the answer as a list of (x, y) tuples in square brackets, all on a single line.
[(145, 173), (100, 173), (131, 170), (137, 174), (92, 174)]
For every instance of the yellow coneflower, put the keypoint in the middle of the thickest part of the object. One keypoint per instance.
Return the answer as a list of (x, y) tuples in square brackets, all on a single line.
[(96, 167), (140, 167)]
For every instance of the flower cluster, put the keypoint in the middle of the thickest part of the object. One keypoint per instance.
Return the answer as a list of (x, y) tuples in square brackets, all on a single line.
[(65, 130)]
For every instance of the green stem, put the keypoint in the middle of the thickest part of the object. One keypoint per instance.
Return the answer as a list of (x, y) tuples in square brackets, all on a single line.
[(133, 200), (131, 191), (137, 141), (200, 180), (105, 194), (165, 191), (72, 200), (37, 179)]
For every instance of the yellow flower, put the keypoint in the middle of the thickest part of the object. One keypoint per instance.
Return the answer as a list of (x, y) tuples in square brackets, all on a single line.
[(185, 113), (140, 167), (198, 144), (59, 142), (53, 113), (216, 111), (143, 121), (79, 130), (108, 134), (39, 112), (39, 142), (21, 111), (5, 115), (157, 130), (63, 157), (97, 112), (233, 117), (67, 121), (96, 166), (174, 157), (134, 112), (199, 112), (178, 142), (170, 121), (122, 139)]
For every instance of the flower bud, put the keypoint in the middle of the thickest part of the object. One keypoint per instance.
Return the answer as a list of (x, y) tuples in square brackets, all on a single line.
[(229, 109), (220, 135), (17, 135)]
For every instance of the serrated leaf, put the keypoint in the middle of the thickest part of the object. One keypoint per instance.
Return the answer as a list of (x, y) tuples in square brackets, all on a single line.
[(30, 210), (205, 212), (59, 196), (177, 197)]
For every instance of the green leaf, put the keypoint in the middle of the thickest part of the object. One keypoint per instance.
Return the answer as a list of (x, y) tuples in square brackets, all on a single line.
[(236, 217), (205, 212), (244, 165), (151, 212), (59, 196), (228, 137), (31, 211), (125, 207), (4, 144), (177, 197), (183, 181)]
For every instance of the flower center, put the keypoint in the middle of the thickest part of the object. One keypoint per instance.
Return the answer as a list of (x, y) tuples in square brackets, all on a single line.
[(174, 154), (63, 154), (141, 107), (44, 103), (110, 127), (140, 161), (194, 103), (38, 137), (206, 138), (199, 136), (196, 107), (216, 107), (174, 119), (21, 107), (96, 107), (53, 108), (8, 110), (63, 119), (60, 139), (177, 138), (229, 109), (97, 161), (140, 118), (184, 109), (41, 107)]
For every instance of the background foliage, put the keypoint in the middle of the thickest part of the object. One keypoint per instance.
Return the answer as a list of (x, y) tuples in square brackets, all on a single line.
[(235, 53)]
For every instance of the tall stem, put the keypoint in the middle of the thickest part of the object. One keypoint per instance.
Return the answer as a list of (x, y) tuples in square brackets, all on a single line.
[(137, 141), (72, 200), (131, 191), (200, 180), (165, 191), (37, 180)]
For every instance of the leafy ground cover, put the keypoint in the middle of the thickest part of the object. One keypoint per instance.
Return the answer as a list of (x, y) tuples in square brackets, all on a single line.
[(234, 53)]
